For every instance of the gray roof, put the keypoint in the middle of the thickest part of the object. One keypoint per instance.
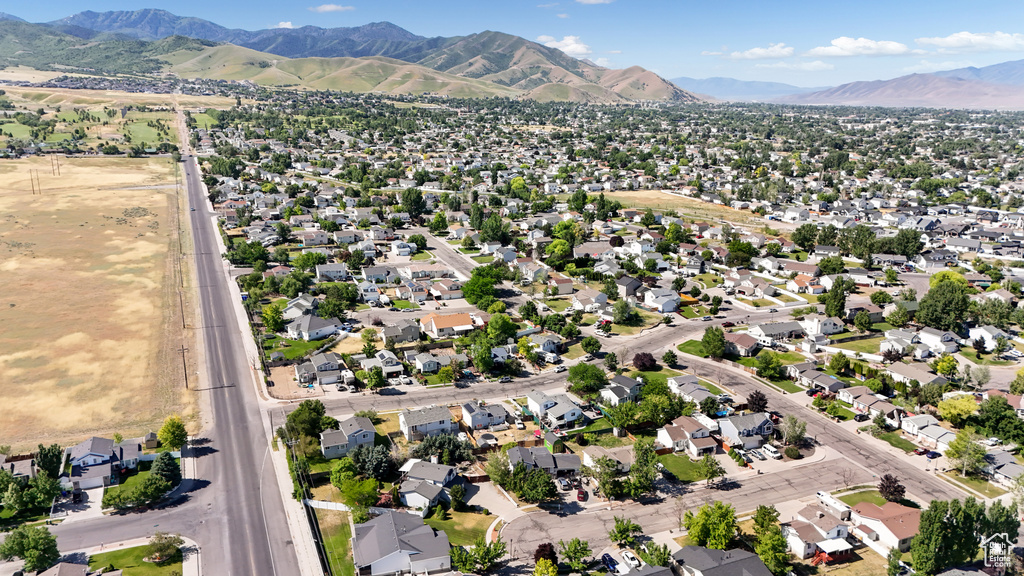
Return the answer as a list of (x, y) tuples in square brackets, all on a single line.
[(355, 424), (711, 562), (393, 532), (426, 415), (424, 470), (425, 489)]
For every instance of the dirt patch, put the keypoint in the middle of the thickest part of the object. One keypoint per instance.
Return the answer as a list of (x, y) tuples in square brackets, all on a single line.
[(90, 302), (350, 345), (286, 387)]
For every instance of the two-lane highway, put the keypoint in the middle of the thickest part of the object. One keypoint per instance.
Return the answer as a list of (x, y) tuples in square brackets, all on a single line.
[(233, 509)]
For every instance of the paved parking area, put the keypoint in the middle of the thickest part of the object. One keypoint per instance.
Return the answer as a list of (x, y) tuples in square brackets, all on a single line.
[(89, 507)]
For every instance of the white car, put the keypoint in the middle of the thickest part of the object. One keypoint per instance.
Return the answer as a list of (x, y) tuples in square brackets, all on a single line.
[(631, 559)]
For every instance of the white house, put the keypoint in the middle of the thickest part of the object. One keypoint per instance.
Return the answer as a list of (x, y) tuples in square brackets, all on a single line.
[(988, 334), (685, 434), (891, 525), (429, 421), (351, 433), (399, 543)]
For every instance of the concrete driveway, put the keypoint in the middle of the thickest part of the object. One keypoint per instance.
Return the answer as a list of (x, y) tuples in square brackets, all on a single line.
[(87, 509)]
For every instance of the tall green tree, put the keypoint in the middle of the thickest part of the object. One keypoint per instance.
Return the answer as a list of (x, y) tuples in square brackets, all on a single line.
[(773, 550), (32, 544), (714, 525), (625, 531), (576, 553), (944, 307), (714, 342), (273, 318), (173, 434)]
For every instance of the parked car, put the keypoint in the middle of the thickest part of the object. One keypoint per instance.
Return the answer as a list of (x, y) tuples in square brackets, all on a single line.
[(505, 379), (773, 310), (609, 563), (706, 318), (520, 425), (577, 483), (581, 495), (588, 358), (860, 418), (563, 484), (811, 391), (933, 455), (728, 324), (920, 451), (743, 454), (771, 452), (992, 442), (630, 559), (560, 369), (757, 454)]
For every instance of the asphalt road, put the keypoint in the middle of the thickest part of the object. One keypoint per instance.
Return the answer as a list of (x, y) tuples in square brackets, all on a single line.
[(233, 509)]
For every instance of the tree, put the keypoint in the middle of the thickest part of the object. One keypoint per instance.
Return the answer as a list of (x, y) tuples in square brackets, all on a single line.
[(965, 453), (862, 320), (839, 363), (163, 546), (880, 298), (806, 236), (908, 243), (891, 276), (655, 554), (458, 495), (835, 299), (622, 312), (944, 307), (546, 551), (709, 468), (611, 361), (43, 489), (773, 550), (769, 365), (486, 555), (956, 410), (576, 553), (890, 488), (644, 468), (173, 434), (831, 265), (439, 224), (309, 261), (793, 429), (669, 358), (413, 202), (284, 232), (644, 361), (948, 535), (590, 345), (714, 342), (375, 378), (625, 531), (765, 517), (558, 249), (586, 379), (946, 365), (373, 461), (713, 526), (545, 567), (165, 467), (448, 448), (462, 560), (273, 318), (501, 328), (306, 420), (49, 459), (32, 544), (757, 401), (900, 317), (893, 567)]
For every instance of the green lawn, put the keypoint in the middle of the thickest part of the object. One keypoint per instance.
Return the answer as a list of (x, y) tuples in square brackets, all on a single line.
[(811, 298), (785, 298), (648, 319), (483, 259), (405, 304), (759, 303), (130, 561), (709, 280), (683, 468), (421, 256), (787, 385), (337, 537), (693, 347), (361, 307), (896, 441), (9, 519), (985, 360), (784, 357), (599, 425), (693, 312), (462, 528), (291, 349), (975, 483), (659, 376), (574, 351), (558, 305), (872, 496), (203, 121), (869, 346)]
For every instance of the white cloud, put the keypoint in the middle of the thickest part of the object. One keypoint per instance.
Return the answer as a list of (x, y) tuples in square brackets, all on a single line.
[(595, 1), (284, 25), (930, 66), (812, 66), (562, 15), (614, 52), (846, 46), (603, 62), (976, 42), (331, 8), (779, 50), (552, 5), (571, 45)]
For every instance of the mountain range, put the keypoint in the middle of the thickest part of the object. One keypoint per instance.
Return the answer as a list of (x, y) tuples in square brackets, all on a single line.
[(731, 89), (378, 56)]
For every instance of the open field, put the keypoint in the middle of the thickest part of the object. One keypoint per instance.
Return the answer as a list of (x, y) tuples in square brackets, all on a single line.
[(90, 312), (686, 207), (337, 533), (33, 97)]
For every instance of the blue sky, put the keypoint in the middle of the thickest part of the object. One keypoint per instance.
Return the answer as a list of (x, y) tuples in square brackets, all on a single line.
[(800, 42)]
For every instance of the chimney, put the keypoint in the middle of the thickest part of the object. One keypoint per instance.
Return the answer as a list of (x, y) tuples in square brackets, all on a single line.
[(433, 459)]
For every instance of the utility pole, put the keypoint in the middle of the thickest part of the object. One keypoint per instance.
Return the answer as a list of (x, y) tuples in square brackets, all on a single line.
[(184, 367)]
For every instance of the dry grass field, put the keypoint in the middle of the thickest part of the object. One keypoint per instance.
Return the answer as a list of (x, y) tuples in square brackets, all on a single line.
[(51, 97), (90, 323), (684, 206)]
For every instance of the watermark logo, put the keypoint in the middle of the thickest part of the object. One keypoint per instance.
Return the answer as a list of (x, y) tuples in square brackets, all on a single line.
[(998, 550)]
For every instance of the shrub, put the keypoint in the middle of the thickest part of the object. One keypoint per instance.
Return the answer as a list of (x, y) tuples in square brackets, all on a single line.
[(792, 453), (644, 361)]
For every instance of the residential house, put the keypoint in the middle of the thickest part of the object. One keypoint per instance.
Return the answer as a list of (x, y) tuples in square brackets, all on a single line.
[(368, 292), (540, 457), (429, 421), (620, 389), (689, 388), (351, 433), (588, 300), (913, 425), (906, 373), (938, 341), (700, 561), (686, 434), (446, 289), (817, 528), (627, 286), (747, 430), (741, 344), (556, 409), (301, 304), (439, 326), (891, 525), (561, 284), (874, 312), (621, 455), (386, 361), (935, 437), (96, 462), (399, 543), (821, 324), (323, 369), (334, 272), (477, 416), (769, 333), (436, 474), (989, 335), (402, 331), (1002, 467), (311, 327)]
